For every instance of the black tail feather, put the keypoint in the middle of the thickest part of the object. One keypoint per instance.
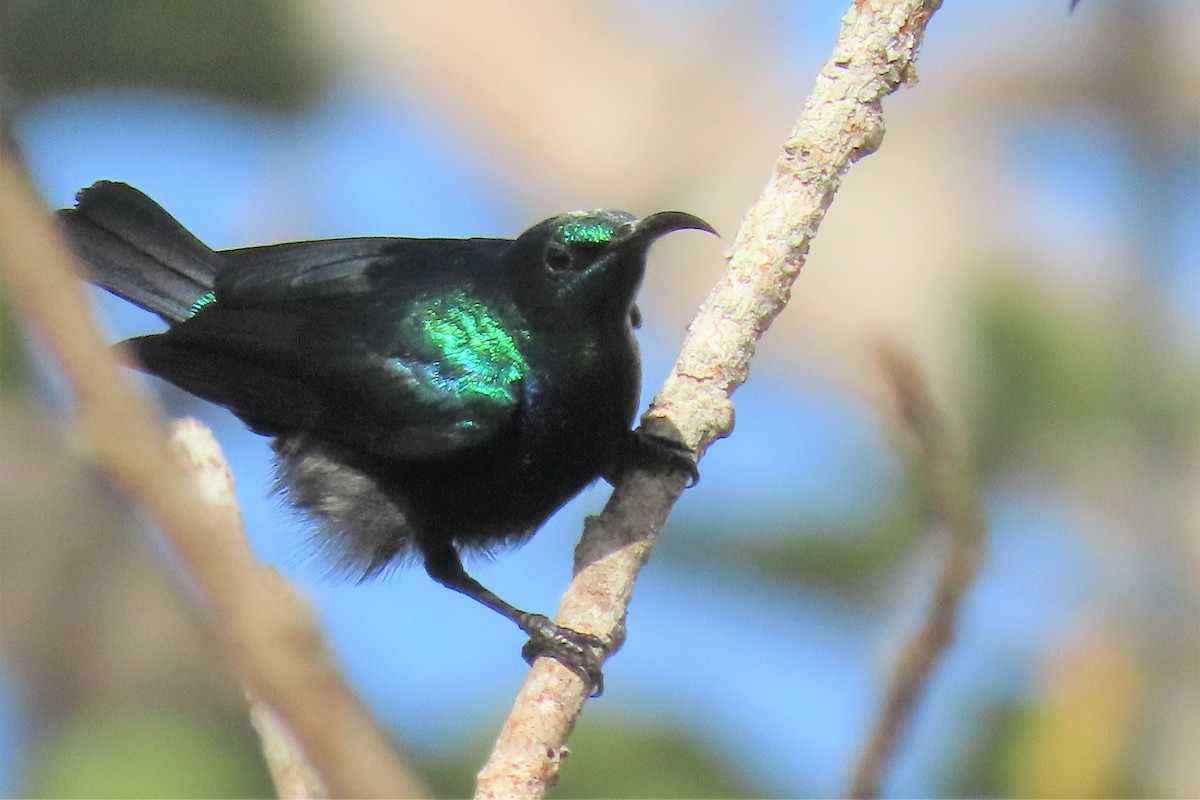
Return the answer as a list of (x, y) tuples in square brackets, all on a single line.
[(138, 251)]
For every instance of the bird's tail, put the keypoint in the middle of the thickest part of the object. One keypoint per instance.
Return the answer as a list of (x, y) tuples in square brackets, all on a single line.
[(136, 250)]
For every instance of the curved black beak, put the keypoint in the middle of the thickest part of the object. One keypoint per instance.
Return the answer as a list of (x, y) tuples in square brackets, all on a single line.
[(647, 229)]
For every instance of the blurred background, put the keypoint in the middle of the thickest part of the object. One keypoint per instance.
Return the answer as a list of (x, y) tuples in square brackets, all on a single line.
[(1030, 230)]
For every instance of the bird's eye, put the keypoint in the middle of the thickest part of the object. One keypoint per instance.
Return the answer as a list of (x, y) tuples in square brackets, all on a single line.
[(558, 258)]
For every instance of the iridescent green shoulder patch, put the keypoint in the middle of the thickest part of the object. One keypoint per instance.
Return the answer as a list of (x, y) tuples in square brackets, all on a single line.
[(478, 355)]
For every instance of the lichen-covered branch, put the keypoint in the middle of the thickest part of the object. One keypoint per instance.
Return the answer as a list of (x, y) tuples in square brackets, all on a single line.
[(268, 633), (950, 506), (842, 121)]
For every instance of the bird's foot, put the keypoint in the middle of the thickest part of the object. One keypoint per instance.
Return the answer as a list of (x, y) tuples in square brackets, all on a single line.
[(642, 450), (582, 653)]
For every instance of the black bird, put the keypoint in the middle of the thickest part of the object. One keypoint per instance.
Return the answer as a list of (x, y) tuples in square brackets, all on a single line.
[(425, 397)]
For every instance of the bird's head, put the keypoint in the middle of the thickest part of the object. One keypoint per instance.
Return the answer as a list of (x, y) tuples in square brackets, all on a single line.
[(587, 265)]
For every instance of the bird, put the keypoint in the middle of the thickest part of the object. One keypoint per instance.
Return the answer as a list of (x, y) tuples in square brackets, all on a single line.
[(425, 397)]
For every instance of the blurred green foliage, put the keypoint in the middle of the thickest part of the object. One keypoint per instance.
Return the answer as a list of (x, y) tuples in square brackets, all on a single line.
[(124, 752), (1044, 376), (984, 768), (252, 52), (14, 364), (849, 557), (990, 765), (1050, 377), (617, 757), (638, 758)]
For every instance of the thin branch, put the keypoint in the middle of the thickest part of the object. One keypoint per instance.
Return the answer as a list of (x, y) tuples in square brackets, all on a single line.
[(294, 777), (841, 122), (267, 631), (950, 504), (197, 451)]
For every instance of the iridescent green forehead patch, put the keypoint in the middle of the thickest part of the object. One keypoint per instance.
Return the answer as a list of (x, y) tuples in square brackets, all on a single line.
[(592, 230)]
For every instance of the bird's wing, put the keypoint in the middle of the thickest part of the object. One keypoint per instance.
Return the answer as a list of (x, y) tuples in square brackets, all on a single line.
[(400, 376), (262, 367), (334, 267), (296, 270)]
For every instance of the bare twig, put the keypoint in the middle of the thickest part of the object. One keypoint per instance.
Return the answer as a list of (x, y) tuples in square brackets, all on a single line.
[(842, 122), (198, 452), (268, 632), (950, 504), (294, 777)]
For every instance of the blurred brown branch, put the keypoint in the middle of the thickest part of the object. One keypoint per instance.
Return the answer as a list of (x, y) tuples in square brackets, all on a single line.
[(292, 773), (196, 449), (268, 631), (842, 122), (951, 505)]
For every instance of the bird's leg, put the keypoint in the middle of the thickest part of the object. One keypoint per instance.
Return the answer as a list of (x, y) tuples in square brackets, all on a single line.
[(641, 450), (583, 653)]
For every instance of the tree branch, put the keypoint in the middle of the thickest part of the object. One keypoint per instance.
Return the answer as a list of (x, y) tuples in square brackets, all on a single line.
[(197, 451), (294, 776), (842, 121), (266, 630), (950, 504)]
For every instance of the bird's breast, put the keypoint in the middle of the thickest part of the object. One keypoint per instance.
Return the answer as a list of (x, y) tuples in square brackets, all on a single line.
[(581, 397)]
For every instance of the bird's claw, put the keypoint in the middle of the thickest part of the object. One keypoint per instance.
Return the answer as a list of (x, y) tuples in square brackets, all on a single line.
[(582, 653), (650, 451), (669, 453)]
